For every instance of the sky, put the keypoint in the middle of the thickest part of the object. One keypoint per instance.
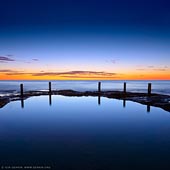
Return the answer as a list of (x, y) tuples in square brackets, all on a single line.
[(84, 40)]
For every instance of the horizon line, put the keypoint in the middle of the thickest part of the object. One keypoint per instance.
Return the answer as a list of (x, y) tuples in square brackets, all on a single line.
[(84, 80)]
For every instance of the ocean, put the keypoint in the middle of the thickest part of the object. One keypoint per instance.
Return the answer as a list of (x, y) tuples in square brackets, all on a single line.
[(12, 87)]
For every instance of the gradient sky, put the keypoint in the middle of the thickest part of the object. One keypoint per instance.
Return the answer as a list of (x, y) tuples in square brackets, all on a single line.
[(90, 39)]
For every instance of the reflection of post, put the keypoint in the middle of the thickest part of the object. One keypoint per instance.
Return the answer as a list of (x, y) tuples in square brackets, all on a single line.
[(50, 100), (49, 87), (148, 108), (22, 103), (124, 103), (149, 88), (22, 94), (99, 99), (124, 88)]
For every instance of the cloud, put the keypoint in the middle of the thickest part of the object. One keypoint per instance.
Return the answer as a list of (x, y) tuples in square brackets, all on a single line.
[(75, 73), (141, 69), (160, 69), (69, 74), (153, 68), (35, 59), (9, 55), (12, 72), (113, 61), (150, 66), (3, 59), (92, 77), (8, 58), (6, 71), (17, 73)]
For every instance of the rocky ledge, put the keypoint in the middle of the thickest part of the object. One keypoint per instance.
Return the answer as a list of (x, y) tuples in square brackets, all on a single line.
[(157, 100)]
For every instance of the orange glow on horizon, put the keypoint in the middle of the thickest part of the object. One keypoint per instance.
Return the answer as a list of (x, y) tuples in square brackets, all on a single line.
[(130, 76)]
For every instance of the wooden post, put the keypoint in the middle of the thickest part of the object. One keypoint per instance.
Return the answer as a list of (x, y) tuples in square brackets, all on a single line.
[(149, 88), (124, 88), (21, 90), (50, 87), (99, 87)]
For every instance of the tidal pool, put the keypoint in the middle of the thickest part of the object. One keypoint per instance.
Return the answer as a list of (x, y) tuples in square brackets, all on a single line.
[(84, 133)]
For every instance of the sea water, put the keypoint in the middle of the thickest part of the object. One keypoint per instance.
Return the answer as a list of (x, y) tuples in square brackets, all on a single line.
[(10, 87)]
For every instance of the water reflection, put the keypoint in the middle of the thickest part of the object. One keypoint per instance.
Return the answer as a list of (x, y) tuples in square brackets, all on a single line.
[(22, 102), (124, 103), (148, 108), (99, 99), (77, 133), (50, 99)]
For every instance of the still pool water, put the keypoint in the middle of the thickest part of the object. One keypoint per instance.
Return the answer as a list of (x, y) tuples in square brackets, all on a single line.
[(77, 133)]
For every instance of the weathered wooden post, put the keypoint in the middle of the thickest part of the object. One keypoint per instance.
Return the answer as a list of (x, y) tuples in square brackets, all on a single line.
[(124, 87), (99, 87), (50, 87), (21, 90), (149, 88)]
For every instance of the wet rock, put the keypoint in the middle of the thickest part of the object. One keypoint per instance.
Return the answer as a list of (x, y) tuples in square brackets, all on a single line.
[(157, 100)]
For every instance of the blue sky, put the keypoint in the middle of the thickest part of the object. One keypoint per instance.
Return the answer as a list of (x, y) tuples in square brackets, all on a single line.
[(119, 37)]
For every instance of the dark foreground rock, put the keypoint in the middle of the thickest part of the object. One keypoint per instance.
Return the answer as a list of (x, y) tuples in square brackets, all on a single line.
[(157, 100)]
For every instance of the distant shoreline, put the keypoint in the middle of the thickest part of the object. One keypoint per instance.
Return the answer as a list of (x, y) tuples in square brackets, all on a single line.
[(157, 100)]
